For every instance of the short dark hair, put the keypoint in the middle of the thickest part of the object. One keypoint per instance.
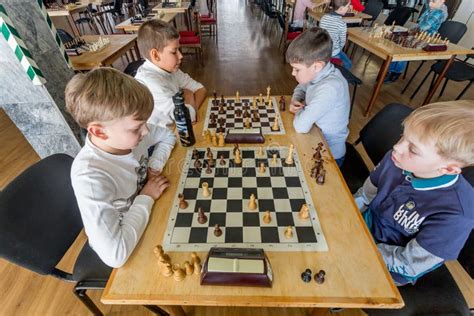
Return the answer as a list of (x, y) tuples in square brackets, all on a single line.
[(311, 46), (339, 3), (155, 34)]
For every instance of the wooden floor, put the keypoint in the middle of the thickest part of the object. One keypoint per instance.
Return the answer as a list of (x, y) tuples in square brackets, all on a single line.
[(246, 59)]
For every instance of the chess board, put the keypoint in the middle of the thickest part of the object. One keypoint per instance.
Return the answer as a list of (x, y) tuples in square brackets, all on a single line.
[(282, 189), (232, 121)]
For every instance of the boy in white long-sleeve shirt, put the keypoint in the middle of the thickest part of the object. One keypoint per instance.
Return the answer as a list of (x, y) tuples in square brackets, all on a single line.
[(158, 41), (114, 179)]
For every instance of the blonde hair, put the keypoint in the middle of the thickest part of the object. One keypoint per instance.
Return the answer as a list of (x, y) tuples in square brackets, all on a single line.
[(155, 34), (105, 94), (450, 124)]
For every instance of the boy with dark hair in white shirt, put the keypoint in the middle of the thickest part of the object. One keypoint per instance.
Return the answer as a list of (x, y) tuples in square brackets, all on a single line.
[(114, 179), (158, 42)]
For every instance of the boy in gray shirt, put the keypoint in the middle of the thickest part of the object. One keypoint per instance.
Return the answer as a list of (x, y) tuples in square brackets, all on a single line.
[(322, 95)]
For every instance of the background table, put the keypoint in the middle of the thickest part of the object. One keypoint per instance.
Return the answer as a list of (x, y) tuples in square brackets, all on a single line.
[(127, 26), (68, 13), (355, 272), (389, 52), (119, 45), (358, 18)]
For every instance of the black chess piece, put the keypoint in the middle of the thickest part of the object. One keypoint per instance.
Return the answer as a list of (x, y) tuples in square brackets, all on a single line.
[(215, 97), (212, 118), (195, 154), (202, 218), (319, 277), (222, 161), (197, 164), (221, 109), (306, 275), (321, 177), (208, 169), (217, 230)]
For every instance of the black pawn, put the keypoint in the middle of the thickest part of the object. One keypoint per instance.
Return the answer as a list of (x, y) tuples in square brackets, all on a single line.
[(202, 218), (218, 231), (195, 154), (197, 164), (319, 277), (306, 275)]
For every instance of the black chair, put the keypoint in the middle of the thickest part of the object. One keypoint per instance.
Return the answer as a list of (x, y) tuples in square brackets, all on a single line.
[(352, 80), (88, 16), (270, 12), (39, 221), (453, 31), (64, 36), (436, 293), (399, 15), (377, 137), (373, 8), (453, 6), (132, 67), (459, 71)]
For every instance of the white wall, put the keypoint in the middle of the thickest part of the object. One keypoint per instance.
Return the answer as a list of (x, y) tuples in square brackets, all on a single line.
[(465, 14)]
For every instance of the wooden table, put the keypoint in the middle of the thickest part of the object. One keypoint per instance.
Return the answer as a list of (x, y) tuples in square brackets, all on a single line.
[(355, 272), (68, 12), (127, 27), (183, 8), (358, 18), (119, 45), (178, 9), (389, 51)]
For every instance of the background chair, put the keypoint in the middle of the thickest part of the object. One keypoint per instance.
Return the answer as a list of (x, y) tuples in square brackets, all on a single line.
[(377, 137), (373, 8), (453, 6), (209, 21), (39, 221), (453, 31), (399, 15), (132, 67), (353, 80), (289, 33), (459, 70), (192, 39)]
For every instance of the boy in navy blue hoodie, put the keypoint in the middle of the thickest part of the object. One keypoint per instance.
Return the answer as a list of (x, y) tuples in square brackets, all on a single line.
[(417, 205)]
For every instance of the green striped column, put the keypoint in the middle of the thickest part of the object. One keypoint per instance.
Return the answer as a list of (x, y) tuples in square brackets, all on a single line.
[(55, 33), (19, 48)]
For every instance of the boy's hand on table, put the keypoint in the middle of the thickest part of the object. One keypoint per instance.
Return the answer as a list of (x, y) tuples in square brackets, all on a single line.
[(155, 186), (296, 106)]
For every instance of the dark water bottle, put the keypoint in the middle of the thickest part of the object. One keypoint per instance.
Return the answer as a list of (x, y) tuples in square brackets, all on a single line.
[(183, 120)]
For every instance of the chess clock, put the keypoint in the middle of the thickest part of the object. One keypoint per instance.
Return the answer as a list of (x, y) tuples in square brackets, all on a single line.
[(237, 266), (244, 136)]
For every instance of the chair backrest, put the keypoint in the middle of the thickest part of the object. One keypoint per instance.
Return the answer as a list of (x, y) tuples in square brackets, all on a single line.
[(466, 257), (384, 130), (373, 8), (399, 15), (452, 6), (39, 216), (452, 30), (64, 36), (132, 67)]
